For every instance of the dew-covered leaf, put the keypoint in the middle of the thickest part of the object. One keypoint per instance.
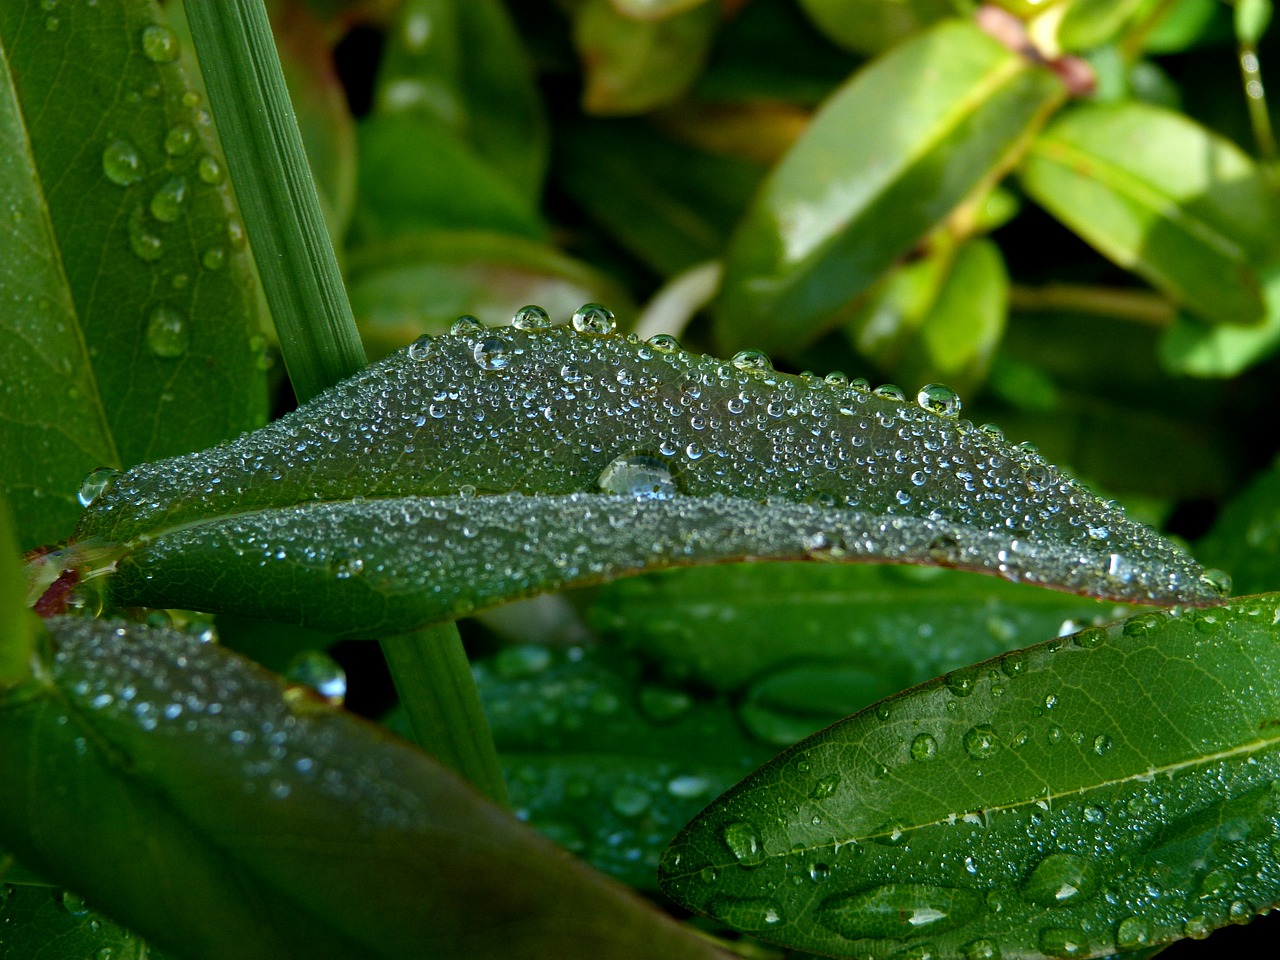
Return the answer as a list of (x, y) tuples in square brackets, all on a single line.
[(1030, 806), (869, 26), (638, 455), (190, 795), (1162, 196), (43, 923), (886, 159), (132, 189), (726, 626)]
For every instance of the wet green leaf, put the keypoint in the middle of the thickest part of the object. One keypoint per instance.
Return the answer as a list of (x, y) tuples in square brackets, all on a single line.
[(638, 455), (1029, 806), (1246, 539), (1164, 197), (870, 26), (39, 923), (273, 824), (632, 66), (120, 180), (726, 626), (866, 183), (421, 283), (462, 64)]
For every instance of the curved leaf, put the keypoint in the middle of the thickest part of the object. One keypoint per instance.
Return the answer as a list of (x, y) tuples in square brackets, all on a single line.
[(192, 796), (1162, 196), (885, 160), (809, 467), (1031, 806), (869, 26)]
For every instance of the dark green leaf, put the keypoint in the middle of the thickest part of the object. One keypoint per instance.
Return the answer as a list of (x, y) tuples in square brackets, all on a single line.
[(1184, 24), (1029, 806), (726, 626), (866, 183), (1199, 349), (632, 66), (1164, 197), (123, 183), (39, 923), (713, 460), (463, 65), (1246, 538), (190, 795), (869, 26)]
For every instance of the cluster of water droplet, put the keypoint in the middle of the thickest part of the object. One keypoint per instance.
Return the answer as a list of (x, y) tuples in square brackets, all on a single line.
[(1129, 841), (534, 408)]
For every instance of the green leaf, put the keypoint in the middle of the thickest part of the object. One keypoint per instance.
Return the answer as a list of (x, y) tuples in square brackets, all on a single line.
[(606, 764), (1192, 347), (17, 625), (415, 175), (698, 460), (117, 248), (49, 390), (866, 183), (1090, 23), (274, 825), (1246, 537), (422, 282), (44, 924), (463, 64), (632, 66), (1252, 17), (725, 626), (870, 26), (1164, 197), (1185, 24), (670, 205), (1027, 806)]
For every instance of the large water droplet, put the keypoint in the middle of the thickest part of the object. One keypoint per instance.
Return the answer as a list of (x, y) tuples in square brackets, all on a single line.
[(74, 904), (595, 319), (318, 671), (924, 747), (1061, 879), (209, 169), (664, 343), (747, 913), (168, 334), (167, 201), (493, 353), (179, 140), (898, 910), (981, 742), (466, 326), (743, 841), (1217, 581), (1132, 933), (122, 163), (531, 317), (983, 949), (160, 44), (940, 399), (214, 258), (1063, 942), (420, 349), (639, 476), (95, 484), (752, 360)]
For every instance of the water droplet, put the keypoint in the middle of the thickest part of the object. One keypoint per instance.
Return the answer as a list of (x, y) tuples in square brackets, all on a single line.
[(531, 317), (420, 349), (209, 169), (664, 343), (191, 99), (746, 913), (630, 801), (981, 742), (940, 399), (1013, 665), (1240, 912), (493, 353), (214, 258), (122, 163), (1063, 942), (825, 787), (983, 949), (318, 671), (961, 682), (1133, 932), (1090, 638), (168, 334), (1102, 744), (514, 663), (688, 786), (1217, 581), (639, 476), (744, 843), (819, 871), (1141, 626), (466, 326), (179, 140), (595, 319), (752, 360), (145, 244), (344, 564), (95, 484), (1197, 928), (898, 910), (1094, 814), (1037, 477), (166, 202), (160, 44), (1061, 879), (924, 747), (890, 391), (74, 904)]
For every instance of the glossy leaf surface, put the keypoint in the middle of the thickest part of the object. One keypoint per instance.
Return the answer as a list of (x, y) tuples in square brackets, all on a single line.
[(241, 792), (1164, 197), (132, 186), (681, 446), (1031, 806), (885, 160)]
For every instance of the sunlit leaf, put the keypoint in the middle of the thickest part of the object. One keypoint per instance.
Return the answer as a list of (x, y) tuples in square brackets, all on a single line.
[(869, 26), (1029, 806)]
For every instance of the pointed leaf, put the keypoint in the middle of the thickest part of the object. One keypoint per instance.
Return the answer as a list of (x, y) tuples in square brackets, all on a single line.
[(1162, 196), (885, 160), (1029, 806), (188, 794), (146, 230)]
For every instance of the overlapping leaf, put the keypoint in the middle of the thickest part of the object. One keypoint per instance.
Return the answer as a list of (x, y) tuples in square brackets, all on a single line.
[(1031, 806)]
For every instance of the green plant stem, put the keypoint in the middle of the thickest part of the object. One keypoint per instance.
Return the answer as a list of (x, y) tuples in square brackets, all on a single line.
[(16, 633), (433, 676), (1137, 306), (1255, 99), (277, 195)]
